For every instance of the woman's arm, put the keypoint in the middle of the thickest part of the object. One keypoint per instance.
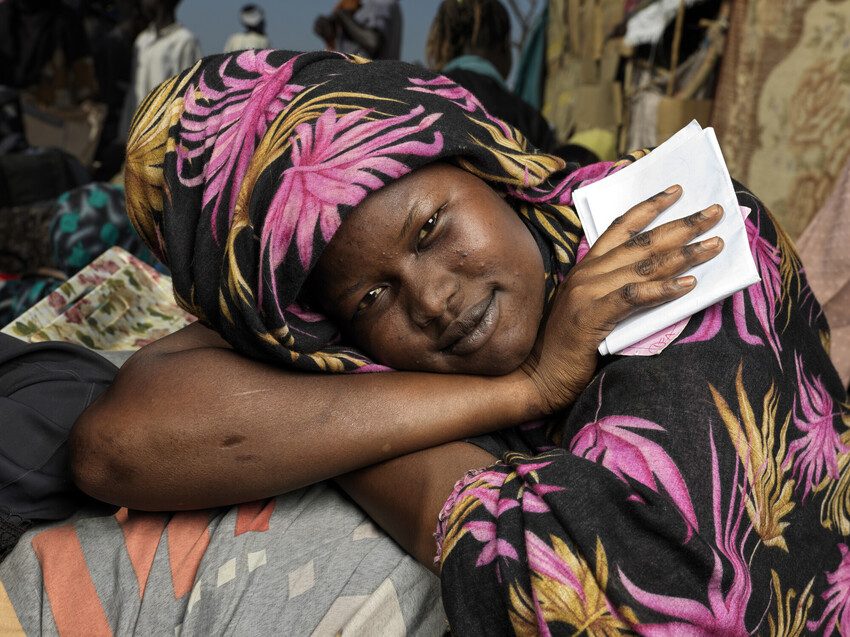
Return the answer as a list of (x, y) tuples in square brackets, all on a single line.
[(188, 423), (405, 495)]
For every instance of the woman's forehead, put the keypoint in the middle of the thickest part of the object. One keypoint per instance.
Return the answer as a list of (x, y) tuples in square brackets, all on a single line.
[(396, 205), (381, 225)]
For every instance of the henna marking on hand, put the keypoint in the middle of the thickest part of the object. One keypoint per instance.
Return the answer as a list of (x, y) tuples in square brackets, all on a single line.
[(629, 294), (647, 266), (694, 219), (640, 240)]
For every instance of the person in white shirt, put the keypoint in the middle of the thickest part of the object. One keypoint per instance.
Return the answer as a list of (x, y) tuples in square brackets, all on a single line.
[(254, 37), (162, 50)]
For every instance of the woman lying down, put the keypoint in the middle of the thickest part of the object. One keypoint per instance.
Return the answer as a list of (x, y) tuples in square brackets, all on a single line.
[(323, 216)]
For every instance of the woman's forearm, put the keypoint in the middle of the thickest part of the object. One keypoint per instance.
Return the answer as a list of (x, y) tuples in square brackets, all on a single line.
[(405, 495), (197, 425)]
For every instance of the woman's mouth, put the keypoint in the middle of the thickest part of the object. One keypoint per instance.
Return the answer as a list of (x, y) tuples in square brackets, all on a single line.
[(469, 331)]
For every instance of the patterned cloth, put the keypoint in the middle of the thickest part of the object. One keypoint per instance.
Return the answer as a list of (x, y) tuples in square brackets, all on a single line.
[(823, 249), (75, 229), (306, 563), (116, 303), (702, 490), (89, 220), (782, 105)]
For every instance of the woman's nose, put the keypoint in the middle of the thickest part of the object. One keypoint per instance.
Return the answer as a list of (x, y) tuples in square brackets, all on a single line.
[(430, 298)]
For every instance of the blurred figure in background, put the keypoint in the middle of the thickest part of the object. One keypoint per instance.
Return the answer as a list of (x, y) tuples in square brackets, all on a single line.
[(254, 36), (44, 50), (370, 28), (469, 41), (163, 49), (113, 26)]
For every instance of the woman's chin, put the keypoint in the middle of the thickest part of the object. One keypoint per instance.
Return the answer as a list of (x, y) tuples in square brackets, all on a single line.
[(497, 364)]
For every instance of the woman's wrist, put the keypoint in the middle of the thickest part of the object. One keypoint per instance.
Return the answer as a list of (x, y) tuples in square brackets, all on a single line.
[(534, 396)]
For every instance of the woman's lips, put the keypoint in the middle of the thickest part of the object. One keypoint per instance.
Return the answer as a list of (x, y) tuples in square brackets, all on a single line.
[(473, 328)]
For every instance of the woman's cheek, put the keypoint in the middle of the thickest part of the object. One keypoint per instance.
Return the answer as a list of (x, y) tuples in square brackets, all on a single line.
[(388, 343)]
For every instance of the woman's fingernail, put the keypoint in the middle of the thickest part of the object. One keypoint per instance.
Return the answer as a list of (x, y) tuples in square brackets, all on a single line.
[(685, 282), (714, 211), (711, 244), (672, 189)]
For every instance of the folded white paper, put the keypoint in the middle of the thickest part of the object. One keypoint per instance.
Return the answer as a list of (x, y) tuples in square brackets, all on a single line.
[(692, 159)]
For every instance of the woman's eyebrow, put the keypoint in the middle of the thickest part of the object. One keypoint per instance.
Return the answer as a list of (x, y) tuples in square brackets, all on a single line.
[(351, 289), (408, 222), (415, 206)]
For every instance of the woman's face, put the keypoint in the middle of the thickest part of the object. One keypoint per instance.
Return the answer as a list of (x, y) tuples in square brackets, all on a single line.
[(435, 272)]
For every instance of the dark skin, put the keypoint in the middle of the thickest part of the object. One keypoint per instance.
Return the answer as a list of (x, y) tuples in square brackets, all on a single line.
[(188, 423), (456, 287)]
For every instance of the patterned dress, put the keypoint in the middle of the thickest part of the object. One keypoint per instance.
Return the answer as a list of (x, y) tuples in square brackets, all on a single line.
[(702, 491)]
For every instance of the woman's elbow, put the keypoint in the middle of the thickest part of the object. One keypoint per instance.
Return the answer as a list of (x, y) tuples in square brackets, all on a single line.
[(105, 455)]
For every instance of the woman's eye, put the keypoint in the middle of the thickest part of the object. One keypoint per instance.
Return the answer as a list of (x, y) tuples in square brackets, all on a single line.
[(369, 298), (429, 226)]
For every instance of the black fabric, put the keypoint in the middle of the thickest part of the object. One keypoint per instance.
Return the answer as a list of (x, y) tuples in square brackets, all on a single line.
[(37, 175), (506, 106), (44, 387), (30, 33)]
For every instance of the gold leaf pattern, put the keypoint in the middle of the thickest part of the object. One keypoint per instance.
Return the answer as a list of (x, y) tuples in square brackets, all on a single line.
[(143, 177), (770, 494), (462, 509), (521, 166), (587, 610), (789, 623)]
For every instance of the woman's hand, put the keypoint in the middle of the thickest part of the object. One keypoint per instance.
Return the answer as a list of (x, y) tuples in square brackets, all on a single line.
[(628, 269)]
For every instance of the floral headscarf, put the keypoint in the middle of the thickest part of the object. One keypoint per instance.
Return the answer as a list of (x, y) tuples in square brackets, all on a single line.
[(241, 169)]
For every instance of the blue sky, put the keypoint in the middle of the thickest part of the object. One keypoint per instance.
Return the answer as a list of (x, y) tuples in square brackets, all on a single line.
[(289, 23)]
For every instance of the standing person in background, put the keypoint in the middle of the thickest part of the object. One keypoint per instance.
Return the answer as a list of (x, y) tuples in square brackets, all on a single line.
[(370, 28), (163, 49), (470, 42), (113, 27), (254, 37)]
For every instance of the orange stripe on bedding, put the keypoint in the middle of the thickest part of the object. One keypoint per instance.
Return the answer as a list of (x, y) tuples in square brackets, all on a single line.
[(188, 539), (254, 516), (73, 597), (142, 534)]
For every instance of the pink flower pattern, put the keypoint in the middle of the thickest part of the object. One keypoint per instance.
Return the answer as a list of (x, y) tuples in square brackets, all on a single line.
[(816, 453), (336, 162), (765, 296), (241, 112), (610, 442), (724, 614), (837, 596)]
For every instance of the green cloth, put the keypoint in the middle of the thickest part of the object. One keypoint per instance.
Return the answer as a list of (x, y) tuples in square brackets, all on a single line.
[(475, 64), (531, 67)]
